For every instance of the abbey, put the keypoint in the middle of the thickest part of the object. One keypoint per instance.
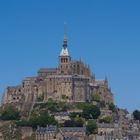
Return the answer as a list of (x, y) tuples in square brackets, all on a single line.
[(71, 81)]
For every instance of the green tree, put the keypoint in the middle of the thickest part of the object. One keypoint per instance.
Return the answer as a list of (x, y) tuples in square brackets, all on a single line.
[(57, 107), (91, 127), (10, 112), (78, 121), (52, 105), (81, 105), (42, 119), (72, 115), (91, 112), (64, 97), (95, 97), (38, 118), (40, 98), (23, 123), (107, 119), (136, 115), (112, 107), (62, 107), (50, 100)]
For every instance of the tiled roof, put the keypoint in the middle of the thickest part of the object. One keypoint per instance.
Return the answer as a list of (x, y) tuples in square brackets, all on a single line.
[(73, 129), (47, 70)]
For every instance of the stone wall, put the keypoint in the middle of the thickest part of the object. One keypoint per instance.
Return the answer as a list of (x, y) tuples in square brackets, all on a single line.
[(72, 80)]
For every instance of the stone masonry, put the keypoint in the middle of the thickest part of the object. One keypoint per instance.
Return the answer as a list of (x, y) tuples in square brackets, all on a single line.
[(72, 81)]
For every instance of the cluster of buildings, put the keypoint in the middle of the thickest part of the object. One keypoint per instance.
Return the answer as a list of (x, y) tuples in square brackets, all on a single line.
[(65, 133), (123, 127), (71, 80)]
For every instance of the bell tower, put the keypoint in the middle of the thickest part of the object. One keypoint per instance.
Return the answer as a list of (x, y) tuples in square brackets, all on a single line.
[(64, 58)]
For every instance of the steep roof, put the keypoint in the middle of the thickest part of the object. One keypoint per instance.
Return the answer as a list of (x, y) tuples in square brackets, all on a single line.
[(64, 52), (73, 129), (47, 70)]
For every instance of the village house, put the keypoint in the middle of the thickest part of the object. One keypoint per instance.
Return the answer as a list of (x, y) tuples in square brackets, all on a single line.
[(61, 117), (72, 133), (47, 133)]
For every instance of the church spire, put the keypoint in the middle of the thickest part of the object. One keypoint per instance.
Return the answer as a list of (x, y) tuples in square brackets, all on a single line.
[(64, 51), (65, 37)]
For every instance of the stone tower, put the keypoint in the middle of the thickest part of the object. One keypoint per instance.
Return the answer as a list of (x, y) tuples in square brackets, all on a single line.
[(64, 59)]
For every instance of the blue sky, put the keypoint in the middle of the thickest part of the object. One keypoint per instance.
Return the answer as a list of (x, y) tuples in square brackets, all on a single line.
[(104, 33)]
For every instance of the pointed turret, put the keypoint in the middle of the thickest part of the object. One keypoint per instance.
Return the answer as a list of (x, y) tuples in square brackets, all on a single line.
[(65, 37), (64, 51), (64, 57)]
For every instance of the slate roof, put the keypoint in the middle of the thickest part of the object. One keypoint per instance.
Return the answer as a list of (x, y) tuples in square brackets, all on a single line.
[(73, 129), (47, 70), (48, 129), (70, 138), (69, 76), (105, 125)]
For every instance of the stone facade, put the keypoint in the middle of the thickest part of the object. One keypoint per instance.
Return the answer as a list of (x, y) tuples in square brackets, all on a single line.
[(71, 81), (65, 133), (26, 132)]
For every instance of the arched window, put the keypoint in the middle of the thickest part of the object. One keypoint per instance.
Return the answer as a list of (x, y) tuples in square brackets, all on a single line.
[(66, 59)]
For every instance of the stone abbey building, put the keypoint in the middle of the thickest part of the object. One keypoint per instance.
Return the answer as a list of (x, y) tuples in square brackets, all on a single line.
[(71, 81)]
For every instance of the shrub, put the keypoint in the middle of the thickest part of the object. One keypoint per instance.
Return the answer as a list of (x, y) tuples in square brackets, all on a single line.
[(107, 119), (91, 127), (81, 105), (136, 115), (10, 112), (42, 119), (77, 122), (91, 112), (112, 107), (75, 114), (95, 97)]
